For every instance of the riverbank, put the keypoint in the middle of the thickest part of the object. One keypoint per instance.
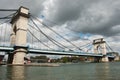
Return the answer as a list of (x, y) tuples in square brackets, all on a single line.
[(43, 64), (36, 64)]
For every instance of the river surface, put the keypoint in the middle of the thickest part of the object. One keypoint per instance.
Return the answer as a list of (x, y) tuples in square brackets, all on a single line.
[(78, 71)]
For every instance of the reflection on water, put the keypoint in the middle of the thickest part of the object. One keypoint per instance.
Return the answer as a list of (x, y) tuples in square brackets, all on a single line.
[(102, 71), (16, 72), (81, 71)]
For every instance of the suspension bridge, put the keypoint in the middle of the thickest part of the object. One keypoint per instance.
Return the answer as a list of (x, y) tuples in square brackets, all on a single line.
[(27, 34)]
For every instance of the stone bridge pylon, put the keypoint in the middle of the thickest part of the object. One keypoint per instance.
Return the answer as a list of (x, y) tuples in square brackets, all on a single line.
[(100, 48), (18, 36)]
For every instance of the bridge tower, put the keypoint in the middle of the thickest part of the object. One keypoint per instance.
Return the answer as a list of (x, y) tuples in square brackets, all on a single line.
[(18, 36), (100, 45)]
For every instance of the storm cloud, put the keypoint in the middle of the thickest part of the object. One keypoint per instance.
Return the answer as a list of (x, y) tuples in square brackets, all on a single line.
[(35, 7), (87, 16)]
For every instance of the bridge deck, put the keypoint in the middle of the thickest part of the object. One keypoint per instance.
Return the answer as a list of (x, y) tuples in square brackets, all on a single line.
[(51, 52)]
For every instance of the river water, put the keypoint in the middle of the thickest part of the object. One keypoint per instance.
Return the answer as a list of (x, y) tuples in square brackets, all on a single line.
[(78, 71)]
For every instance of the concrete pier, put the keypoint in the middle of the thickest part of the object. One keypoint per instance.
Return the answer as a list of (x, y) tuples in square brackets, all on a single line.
[(18, 37)]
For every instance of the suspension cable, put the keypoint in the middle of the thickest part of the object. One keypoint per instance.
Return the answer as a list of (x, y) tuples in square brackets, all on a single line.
[(86, 46), (8, 16), (5, 32), (8, 9), (51, 39), (5, 22), (38, 39), (48, 37), (89, 48), (1, 28), (5, 17), (56, 33), (109, 47)]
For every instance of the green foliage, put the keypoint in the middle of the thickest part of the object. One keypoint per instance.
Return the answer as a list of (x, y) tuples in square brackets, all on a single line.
[(39, 57)]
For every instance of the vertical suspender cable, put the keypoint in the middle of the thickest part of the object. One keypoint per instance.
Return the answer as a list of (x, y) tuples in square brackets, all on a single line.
[(57, 33), (38, 39), (48, 37)]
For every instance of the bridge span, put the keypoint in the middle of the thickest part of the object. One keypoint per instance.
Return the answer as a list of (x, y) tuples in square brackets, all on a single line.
[(52, 52)]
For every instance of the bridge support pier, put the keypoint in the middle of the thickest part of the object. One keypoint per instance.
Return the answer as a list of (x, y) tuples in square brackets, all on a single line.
[(105, 59), (19, 34), (100, 48), (19, 54)]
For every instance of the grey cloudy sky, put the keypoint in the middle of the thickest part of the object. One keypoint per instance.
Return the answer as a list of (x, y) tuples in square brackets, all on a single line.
[(76, 18)]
